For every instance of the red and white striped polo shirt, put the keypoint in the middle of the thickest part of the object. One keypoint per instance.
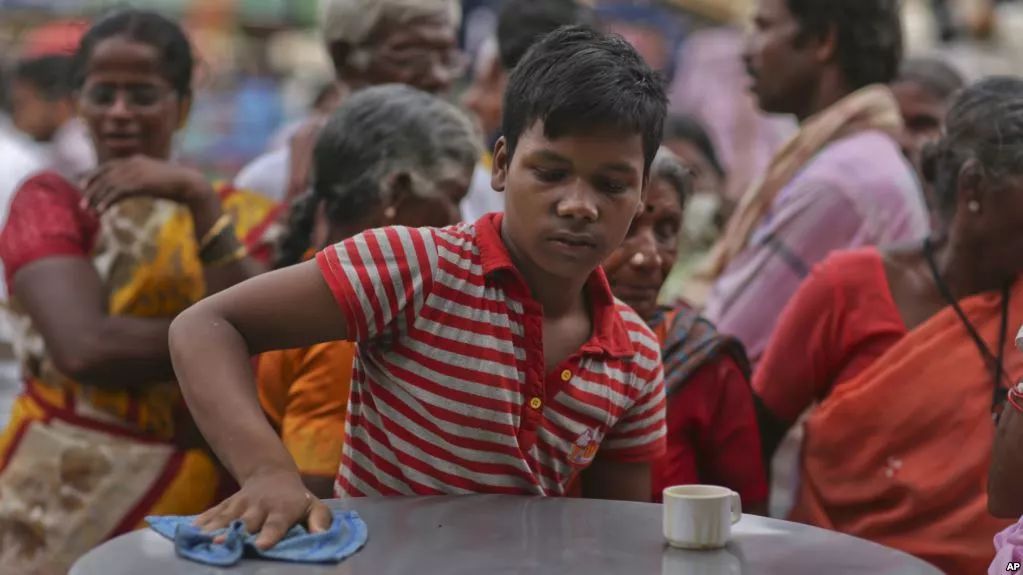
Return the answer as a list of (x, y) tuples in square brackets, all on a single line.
[(449, 394)]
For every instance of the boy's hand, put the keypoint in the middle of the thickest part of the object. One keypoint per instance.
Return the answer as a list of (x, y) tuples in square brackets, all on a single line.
[(269, 504)]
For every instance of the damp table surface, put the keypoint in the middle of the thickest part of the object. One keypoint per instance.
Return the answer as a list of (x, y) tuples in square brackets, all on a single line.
[(505, 535)]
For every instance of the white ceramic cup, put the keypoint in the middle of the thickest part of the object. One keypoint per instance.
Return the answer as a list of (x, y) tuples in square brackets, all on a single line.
[(700, 516)]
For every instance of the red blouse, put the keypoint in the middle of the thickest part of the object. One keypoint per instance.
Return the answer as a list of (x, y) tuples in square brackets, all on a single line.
[(46, 220), (712, 434)]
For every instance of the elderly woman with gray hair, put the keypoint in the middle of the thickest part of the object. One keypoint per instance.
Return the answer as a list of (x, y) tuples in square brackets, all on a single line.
[(391, 155), (370, 42), (712, 428)]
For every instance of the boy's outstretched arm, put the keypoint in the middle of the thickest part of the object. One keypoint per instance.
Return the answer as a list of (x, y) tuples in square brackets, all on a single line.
[(211, 345)]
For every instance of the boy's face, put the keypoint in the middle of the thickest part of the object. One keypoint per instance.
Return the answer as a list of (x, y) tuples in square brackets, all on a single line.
[(570, 201)]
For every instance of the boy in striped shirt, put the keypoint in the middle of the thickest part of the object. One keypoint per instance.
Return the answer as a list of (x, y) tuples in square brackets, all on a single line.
[(492, 356)]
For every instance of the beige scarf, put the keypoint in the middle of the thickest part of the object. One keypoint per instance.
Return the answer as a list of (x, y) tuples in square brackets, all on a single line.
[(870, 108)]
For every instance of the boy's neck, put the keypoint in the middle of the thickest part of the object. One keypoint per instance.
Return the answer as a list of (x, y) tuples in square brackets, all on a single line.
[(559, 297)]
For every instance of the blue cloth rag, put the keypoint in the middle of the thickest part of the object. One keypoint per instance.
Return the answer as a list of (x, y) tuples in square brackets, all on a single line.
[(347, 534)]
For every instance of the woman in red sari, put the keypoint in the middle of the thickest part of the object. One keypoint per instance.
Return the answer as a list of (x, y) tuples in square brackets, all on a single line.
[(907, 353), (712, 431), (100, 436)]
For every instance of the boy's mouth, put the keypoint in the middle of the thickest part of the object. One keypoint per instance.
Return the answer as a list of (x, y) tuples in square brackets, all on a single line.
[(573, 243)]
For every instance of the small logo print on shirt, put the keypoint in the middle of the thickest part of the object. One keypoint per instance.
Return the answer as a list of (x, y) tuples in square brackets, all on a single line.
[(584, 449)]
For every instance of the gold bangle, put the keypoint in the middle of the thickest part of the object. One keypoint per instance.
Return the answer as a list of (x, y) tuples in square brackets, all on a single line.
[(236, 256), (219, 226)]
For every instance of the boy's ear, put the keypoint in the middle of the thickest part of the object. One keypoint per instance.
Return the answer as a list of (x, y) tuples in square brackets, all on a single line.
[(499, 169)]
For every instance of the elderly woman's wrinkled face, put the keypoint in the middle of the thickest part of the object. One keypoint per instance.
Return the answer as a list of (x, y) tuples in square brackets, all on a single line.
[(422, 53), (639, 267)]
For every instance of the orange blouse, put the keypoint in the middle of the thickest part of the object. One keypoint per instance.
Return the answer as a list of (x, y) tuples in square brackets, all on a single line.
[(304, 393)]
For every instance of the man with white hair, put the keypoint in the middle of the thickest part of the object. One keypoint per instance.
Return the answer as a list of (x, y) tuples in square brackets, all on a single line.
[(370, 42)]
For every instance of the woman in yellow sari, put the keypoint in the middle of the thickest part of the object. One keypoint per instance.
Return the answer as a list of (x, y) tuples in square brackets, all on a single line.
[(97, 269)]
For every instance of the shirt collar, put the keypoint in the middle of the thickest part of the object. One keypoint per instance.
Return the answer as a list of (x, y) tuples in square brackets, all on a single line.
[(610, 334)]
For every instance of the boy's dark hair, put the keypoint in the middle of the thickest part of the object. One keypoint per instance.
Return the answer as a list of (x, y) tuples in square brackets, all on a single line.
[(868, 35), (577, 79), (51, 76), (689, 129), (521, 23), (147, 27)]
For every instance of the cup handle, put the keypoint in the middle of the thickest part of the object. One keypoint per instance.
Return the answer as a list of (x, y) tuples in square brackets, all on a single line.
[(736, 508)]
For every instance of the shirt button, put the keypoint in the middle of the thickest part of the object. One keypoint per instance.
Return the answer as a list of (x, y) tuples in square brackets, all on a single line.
[(566, 375), (536, 403)]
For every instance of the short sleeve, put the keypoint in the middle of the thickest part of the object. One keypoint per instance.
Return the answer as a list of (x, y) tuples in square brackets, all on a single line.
[(841, 320), (640, 435), (313, 425), (796, 367), (380, 278), (45, 220)]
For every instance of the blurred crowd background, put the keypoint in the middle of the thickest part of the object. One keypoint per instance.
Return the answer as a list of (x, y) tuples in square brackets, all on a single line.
[(263, 69), (263, 66)]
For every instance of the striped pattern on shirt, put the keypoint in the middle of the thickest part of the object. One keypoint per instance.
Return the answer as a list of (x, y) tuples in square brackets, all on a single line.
[(448, 393)]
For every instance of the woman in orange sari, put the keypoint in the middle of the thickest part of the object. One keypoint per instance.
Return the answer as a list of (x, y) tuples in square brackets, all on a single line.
[(908, 354), (391, 155), (97, 270)]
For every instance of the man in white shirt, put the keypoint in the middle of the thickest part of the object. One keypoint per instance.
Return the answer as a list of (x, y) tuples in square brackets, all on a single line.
[(18, 161), (42, 109)]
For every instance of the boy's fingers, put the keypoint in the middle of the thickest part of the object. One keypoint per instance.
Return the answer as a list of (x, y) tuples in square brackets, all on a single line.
[(273, 531), (218, 517), (320, 518), (253, 519)]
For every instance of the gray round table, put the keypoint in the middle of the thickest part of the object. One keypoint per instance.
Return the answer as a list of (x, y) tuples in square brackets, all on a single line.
[(534, 535)]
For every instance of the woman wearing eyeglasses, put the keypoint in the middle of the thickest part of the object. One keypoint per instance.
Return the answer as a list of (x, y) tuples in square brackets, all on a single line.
[(97, 270)]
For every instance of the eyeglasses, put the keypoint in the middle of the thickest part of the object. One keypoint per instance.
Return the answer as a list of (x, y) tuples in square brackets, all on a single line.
[(137, 97)]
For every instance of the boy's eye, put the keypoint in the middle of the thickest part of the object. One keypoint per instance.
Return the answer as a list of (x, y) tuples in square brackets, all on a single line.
[(610, 186), (549, 176)]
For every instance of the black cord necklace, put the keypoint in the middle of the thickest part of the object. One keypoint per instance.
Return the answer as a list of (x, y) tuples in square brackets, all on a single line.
[(994, 361)]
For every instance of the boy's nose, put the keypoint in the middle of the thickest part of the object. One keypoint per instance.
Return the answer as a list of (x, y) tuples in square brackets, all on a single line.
[(578, 203)]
